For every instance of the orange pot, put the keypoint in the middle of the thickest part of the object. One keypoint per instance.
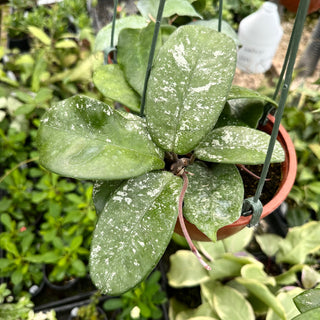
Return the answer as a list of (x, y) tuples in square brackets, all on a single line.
[(292, 5), (289, 169)]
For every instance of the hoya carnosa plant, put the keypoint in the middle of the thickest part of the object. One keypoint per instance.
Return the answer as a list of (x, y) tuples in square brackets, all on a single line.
[(195, 122)]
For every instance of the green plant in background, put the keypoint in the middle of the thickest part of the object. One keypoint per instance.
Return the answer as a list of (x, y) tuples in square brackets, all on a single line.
[(31, 196), (241, 287), (233, 10), (141, 302), (18, 264), (21, 309), (303, 123), (192, 112), (89, 311)]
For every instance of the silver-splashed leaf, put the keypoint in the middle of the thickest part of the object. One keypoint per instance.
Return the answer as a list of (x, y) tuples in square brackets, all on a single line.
[(84, 138), (235, 144), (189, 90), (214, 197), (134, 230)]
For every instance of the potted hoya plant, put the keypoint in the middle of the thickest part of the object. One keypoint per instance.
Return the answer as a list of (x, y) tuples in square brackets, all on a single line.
[(173, 158)]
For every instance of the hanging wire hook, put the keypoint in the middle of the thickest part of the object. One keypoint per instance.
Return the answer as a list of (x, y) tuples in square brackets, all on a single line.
[(287, 70)]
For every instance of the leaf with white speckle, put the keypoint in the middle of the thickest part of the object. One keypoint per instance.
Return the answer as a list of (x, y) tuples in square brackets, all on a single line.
[(134, 230), (189, 90), (84, 138), (214, 197), (233, 144)]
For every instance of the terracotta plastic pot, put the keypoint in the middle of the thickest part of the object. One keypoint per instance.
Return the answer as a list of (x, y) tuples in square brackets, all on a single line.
[(292, 5), (289, 169)]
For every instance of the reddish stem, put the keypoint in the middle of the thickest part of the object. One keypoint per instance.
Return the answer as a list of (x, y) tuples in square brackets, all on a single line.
[(242, 167), (183, 226)]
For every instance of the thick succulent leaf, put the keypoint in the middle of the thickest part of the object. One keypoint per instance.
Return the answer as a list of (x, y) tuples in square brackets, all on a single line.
[(134, 230), (193, 272), (172, 7), (262, 292), (111, 82), (307, 300), (237, 92), (247, 105), (133, 53), (224, 297), (103, 38), (189, 90), (214, 197), (102, 190), (225, 27), (82, 137), (312, 314), (234, 144)]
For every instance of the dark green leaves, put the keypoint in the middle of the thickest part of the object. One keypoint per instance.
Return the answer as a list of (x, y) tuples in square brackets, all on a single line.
[(189, 90), (84, 138), (133, 53), (233, 144), (133, 231), (214, 197)]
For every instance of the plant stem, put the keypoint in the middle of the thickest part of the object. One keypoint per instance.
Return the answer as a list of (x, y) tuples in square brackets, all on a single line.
[(16, 167), (183, 226), (242, 167)]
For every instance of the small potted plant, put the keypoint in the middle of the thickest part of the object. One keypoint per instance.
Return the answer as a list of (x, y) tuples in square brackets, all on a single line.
[(195, 123)]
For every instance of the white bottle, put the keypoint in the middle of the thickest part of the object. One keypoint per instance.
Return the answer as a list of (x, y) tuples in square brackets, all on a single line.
[(259, 35)]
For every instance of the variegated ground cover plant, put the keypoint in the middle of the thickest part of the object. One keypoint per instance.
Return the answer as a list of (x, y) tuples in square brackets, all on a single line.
[(194, 122)]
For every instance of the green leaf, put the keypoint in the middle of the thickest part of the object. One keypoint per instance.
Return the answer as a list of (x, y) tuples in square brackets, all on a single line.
[(112, 304), (172, 7), (84, 138), (255, 271), (101, 192), (309, 277), (16, 277), (6, 220), (224, 297), (237, 92), (187, 89), (76, 242), (285, 298), (213, 24), (312, 314), (134, 230), (79, 267), (233, 144), (193, 272), (238, 241), (66, 44), (110, 81), (269, 243), (263, 293), (214, 197), (307, 300), (290, 276), (103, 38), (315, 148), (133, 54), (4, 263), (299, 242), (40, 35)]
